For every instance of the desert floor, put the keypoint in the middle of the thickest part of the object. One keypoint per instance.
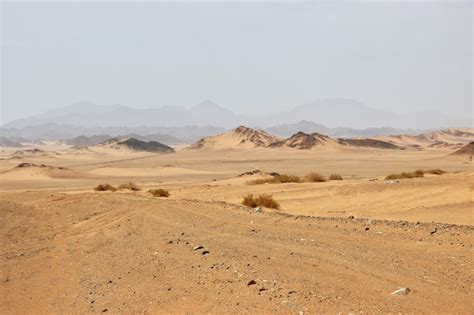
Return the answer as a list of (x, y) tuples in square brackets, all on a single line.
[(339, 246)]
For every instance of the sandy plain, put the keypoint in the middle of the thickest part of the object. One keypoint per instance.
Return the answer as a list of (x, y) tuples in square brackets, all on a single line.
[(338, 246)]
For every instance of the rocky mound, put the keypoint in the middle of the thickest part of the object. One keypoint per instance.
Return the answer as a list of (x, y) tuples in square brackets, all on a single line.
[(29, 152), (468, 149), (241, 137), (257, 173), (150, 146), (368, 143), (32, 165), (303, 141)]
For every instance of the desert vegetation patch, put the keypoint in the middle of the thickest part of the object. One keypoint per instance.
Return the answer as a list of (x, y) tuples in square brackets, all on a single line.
[(130, 186), (263, 200), (159, 192), (105, 187)]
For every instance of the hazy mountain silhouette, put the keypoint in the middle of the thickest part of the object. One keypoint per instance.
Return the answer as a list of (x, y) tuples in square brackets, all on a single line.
[(328, 112)]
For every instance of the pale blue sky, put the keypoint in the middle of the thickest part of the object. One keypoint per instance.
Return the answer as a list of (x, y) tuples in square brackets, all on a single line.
[(250, 58)]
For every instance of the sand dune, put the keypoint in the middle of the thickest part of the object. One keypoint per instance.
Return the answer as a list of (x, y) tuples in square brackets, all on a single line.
[(29, 171)]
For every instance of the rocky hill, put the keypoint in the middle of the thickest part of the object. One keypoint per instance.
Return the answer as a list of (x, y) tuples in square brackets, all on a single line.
[(468, 149), (147, 146), (368, 143), (303, 141), (241, 137)]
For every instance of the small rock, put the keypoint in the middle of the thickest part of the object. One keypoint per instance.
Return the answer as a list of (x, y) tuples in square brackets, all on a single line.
[(367, 228), (251, 282), (258, 209), (434, 231), (198, 247), (205, 252), (401, 291)]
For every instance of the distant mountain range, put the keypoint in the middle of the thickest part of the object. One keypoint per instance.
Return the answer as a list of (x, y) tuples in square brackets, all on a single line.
[(328, 112), (80, 136), (87, 124)]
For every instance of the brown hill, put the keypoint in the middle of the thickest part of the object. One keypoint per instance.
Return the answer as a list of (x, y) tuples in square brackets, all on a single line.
[(303, 141), (368, 143), (136, 145), (468, 149)]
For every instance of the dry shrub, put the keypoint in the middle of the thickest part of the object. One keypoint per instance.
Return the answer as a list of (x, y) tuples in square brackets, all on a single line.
[(105, 187), (263, 200), (314, 178), (436, 171), (285, 178), (159, 192), (415, 174), (278, 179), (335, 177), (250, 201), (130, 186)]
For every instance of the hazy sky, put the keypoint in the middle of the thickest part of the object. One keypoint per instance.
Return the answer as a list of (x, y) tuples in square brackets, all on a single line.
[(250, 58)]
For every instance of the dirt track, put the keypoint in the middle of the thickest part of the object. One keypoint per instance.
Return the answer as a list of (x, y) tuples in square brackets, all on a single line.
[(131, 253)]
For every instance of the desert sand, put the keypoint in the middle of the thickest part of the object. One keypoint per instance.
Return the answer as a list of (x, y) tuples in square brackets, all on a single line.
[(336, 246)]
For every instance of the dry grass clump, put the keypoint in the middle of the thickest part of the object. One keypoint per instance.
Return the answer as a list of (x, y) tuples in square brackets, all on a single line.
[(415, 174), (159, 192), (105, 187), (335, 177), (130, 186), (279, 179), (285, 178), (314, 178), (436, 171), (263, 200)]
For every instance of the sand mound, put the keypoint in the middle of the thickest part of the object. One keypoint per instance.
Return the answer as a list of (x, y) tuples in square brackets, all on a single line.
[(241, 137), (468, 149), (31, 171)]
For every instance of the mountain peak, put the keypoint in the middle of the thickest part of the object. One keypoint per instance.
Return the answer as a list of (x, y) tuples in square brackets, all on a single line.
[(207, 104)]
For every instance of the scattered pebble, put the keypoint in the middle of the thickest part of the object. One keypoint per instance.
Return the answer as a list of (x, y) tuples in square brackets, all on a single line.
[(251, 282), (401, 291)]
